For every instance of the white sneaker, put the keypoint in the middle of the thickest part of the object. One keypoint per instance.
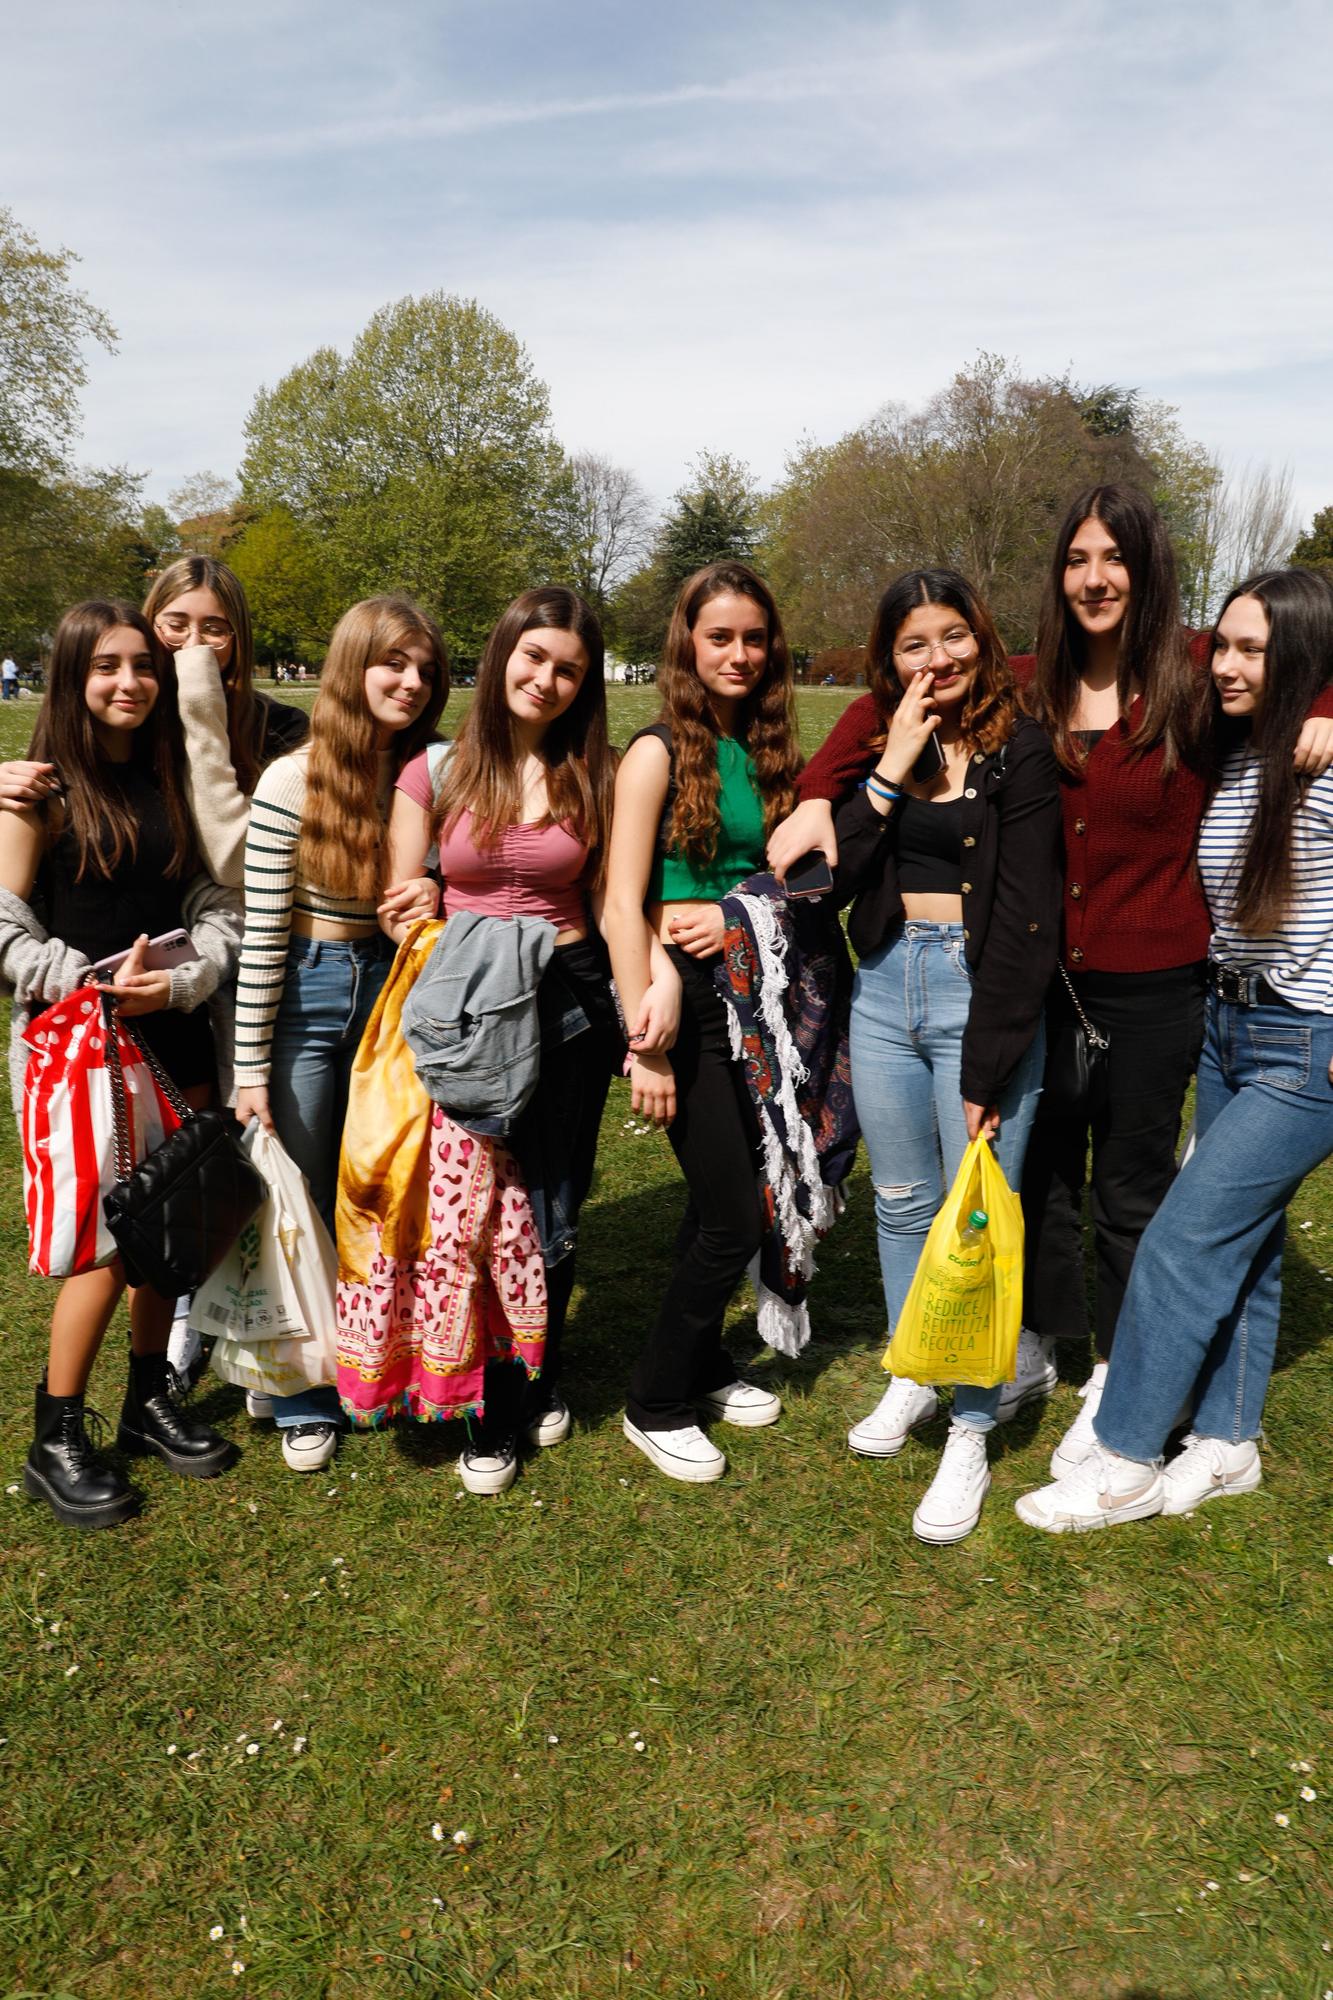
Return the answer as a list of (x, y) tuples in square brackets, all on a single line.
[(258, 1405), (683, 1454), (1208, 1467), (1035, 1375), (744, 1403), (551, 1427), (490, 1471), (1080, 1438), (309, 1447), (900, 1409), (1101, 1491), (951, 1505)]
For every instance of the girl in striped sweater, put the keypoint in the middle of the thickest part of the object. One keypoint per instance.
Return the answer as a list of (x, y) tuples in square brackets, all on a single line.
[(314, 956), (1199, 1323)]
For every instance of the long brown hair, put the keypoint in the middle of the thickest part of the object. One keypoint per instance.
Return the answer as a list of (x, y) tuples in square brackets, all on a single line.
[(991, 709), (483, 776), (766, 721), (1298, 665), (96, 810), (1153, 652), (342, 827), (245, 710)]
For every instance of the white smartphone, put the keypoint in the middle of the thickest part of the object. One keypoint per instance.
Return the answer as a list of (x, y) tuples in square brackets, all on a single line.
[(164, 954)]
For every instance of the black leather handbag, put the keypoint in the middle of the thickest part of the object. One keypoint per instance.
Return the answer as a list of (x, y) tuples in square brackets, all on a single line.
[(1076, 1052), (176, 1214)]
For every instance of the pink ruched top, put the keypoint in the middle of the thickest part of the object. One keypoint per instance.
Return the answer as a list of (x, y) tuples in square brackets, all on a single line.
[(532, 871)]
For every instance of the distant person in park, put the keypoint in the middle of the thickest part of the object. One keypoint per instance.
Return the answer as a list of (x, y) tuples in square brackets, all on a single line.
[(110, 862), (9, 679), (951, 847), (1198, 1324), (1125, 705), (314, 957), (696, 795), (520, 809)]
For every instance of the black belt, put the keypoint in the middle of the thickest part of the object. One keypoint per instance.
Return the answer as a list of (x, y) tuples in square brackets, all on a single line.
[(1242, 989)]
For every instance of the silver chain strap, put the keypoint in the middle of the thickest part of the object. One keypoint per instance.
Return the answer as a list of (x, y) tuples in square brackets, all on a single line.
[(1096, 1039)]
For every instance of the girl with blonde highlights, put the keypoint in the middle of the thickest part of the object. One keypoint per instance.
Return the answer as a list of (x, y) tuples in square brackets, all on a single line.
[(696, 796), (314, 956)]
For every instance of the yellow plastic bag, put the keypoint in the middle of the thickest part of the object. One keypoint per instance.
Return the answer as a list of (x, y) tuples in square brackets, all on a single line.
[(961, 1317)]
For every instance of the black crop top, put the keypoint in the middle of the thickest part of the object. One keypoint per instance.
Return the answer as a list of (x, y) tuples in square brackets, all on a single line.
[(929, 840)]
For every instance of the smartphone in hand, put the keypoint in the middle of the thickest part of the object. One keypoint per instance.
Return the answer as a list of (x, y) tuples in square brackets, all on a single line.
[(930, 763), (810, 877), (164, 954)]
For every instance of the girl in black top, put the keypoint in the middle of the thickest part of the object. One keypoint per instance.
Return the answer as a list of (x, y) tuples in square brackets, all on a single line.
[(104, 867), (956, 875)]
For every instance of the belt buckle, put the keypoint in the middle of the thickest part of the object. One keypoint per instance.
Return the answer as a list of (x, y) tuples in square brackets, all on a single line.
[(1236, 986)]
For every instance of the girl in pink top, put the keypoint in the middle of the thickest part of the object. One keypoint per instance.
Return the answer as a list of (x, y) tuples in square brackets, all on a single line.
[(520, 806)]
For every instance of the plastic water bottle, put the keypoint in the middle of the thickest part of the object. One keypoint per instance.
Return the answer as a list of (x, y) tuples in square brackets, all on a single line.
[(976, 1227)]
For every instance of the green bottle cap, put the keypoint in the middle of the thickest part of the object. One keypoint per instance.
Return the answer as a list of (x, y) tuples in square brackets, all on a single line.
[(978, 1219)]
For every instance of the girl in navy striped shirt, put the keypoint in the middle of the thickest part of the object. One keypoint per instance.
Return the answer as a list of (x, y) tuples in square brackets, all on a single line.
[(1198, 1327)]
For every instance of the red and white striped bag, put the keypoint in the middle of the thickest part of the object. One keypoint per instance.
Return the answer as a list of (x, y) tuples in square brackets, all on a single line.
[(69, 1148)]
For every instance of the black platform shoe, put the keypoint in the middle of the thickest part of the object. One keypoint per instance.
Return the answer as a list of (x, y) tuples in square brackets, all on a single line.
[(151, 1421), (65, 1470)]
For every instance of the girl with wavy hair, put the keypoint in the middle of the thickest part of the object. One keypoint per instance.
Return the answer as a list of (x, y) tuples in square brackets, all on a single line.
[(111, 863), (314, 957), (951, 848), (696, 796), (520, 810), (1198, 1325)]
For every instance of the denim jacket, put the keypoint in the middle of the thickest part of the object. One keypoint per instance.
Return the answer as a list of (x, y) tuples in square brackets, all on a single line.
[(471, 1020)]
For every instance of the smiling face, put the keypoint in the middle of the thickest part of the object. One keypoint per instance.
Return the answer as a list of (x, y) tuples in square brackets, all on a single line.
[(937, 639), (730, 636), (398, 686), (197, 618), (1239, 645), (1096, 580), (543, 675), (121, 688)]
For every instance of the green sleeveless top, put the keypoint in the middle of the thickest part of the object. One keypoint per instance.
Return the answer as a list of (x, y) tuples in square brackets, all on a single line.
[(740, 835)]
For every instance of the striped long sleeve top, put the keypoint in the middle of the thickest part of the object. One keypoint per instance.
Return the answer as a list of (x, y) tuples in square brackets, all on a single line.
[(272, 893), (1296, 957)]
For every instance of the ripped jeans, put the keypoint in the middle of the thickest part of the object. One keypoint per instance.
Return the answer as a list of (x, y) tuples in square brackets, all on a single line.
[(909, 1009)]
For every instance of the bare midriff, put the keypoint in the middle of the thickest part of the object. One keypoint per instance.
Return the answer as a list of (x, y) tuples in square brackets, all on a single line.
[(932, 908), (325, 930)]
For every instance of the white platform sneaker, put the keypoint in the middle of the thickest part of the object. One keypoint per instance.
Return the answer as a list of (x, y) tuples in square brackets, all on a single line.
[(900, 1409), (951, 1505)]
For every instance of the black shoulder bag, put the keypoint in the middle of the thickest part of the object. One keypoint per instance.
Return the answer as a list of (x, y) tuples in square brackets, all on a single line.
[(1076, 1054), (176, 1214)]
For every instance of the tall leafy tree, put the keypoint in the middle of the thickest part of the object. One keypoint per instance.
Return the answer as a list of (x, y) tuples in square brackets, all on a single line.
[(45, 322)]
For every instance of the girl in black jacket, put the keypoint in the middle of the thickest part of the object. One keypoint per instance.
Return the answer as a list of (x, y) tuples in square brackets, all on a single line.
[(952, 850)]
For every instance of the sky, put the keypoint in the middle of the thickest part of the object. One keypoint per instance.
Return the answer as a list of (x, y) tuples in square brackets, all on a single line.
[(719, 226)]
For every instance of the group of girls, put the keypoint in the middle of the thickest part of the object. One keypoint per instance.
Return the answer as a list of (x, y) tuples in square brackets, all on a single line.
[(1017, 840)]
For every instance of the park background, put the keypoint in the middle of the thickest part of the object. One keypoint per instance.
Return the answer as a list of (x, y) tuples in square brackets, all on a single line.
[(455, 300)]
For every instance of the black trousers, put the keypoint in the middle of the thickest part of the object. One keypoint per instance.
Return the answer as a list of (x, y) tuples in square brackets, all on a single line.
[(714, 1136), (1155, 1024)]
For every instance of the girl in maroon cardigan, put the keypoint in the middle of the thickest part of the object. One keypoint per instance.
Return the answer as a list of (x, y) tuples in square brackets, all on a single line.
[(1125, 706)]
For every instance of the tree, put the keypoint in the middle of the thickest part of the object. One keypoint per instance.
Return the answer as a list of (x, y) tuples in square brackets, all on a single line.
[(601, 524), (293, 603), (715, 515), (1314, 550), (1249, 523), (424, 459), (44, 322), (63, 539)]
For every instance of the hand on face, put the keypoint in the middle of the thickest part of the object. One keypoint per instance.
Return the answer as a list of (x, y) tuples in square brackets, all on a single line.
[(197, 618)]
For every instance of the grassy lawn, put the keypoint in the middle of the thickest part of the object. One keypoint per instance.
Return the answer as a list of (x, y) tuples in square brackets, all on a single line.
[(747, 1741)]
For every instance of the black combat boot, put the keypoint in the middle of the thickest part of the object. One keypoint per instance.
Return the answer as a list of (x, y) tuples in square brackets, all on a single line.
[(150, 1421), (76, 1482)]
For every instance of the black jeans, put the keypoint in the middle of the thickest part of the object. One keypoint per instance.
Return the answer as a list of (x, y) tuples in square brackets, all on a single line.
[(1155, 1024), (714, 1136)]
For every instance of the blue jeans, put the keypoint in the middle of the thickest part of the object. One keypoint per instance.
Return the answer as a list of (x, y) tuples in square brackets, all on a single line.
[(328, 993), (1200, 1316), (909, 1009)]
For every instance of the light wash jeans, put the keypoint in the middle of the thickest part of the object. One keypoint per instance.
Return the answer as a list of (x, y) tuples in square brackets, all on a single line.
[(909, 1009), (328, 993), (1200, 1316)]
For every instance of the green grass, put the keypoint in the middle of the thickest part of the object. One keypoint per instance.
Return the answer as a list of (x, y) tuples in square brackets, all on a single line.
[(1008, 1768)]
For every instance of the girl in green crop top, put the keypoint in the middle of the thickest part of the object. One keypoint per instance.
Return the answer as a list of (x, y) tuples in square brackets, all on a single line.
[(696, 796)]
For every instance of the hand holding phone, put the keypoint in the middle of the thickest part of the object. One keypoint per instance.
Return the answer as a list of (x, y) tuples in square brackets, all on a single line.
[(809, 878), (161, 954)]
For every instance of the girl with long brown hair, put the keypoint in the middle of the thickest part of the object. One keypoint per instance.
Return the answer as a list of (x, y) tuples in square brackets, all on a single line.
[(696, 796), (111, 863), (951, 850), (520, 810), (314, 957), (197, 607)]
